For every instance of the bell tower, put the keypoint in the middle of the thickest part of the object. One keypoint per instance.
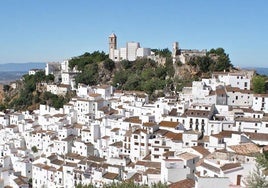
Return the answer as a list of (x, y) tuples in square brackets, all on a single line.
[(112, 45)]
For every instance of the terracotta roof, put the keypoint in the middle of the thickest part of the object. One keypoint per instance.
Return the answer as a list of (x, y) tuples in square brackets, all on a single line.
[(153, 171), (137, 177), (138, 131), (187, 156), (110, 175), (149, 124), (257, 136), (210, 167), (94, 95), (20, 182), (117, 144), (149, 164), (105, 137), (45, 167), (196, 113), (260, 95), (186, 183), (174, 136), (96, 159), (220, 90), (201, 150), (244, 119), (115, 129), (229, 166), (133, 120), (236, 89), (169, 124), (169, 154), (225, 134), (245, 148), (173, 112)]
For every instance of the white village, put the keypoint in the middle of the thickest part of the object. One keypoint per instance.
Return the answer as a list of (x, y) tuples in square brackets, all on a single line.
[(207, 136)]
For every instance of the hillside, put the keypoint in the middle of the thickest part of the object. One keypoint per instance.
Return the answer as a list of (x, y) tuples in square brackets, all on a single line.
[(156, 79)]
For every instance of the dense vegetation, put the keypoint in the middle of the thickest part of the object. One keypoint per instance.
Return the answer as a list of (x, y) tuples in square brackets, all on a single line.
[(142, 74), (88, 64), (259, 84), (257, 178), (215, 60), (28, 96)]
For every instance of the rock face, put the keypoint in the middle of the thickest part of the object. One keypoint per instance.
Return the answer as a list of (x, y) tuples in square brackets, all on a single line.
[(186, 71), (105, 76)]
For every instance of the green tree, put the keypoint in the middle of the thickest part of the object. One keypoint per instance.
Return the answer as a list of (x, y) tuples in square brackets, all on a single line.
[(256, 178), (162, 52), (258, 83), (126, 64), (221, 60), (120, 78), (2, 107), (6, 88), (34, 149), (109, 64)]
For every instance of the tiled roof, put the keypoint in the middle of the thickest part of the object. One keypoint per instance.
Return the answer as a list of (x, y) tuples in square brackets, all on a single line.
[(196, 113), (174, 136), (149, 124), (110, 175), (186, 183), (153, 171), (201, 150), (138, 131), (133, 120), (187, 156), (210, 167), (246, 119), (137, 177), (257, 136), (117, 144), (229, 166), (168, 124), (173, 112), (149, 164), (245, 148), (96, 159)]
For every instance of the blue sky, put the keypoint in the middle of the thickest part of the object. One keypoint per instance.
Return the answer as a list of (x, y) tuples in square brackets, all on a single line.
[(54, 30)]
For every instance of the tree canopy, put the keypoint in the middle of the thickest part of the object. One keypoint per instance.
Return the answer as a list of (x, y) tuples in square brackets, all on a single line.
[(259, 83), (215, 60), (257, 178)]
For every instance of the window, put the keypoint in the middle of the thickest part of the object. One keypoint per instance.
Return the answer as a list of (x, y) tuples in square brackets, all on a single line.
[(156, 149), (156, 142), (135, 136)]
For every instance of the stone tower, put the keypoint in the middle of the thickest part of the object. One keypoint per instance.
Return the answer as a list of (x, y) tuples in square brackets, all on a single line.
[(175, 49), (112, 45)]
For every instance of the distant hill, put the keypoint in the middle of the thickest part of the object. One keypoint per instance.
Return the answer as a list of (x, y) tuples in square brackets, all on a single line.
[(22, 67), (259, 70), (14, 71)]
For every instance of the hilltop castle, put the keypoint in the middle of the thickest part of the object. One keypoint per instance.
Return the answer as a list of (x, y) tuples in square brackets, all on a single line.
[(184, 55), (131, 52)]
